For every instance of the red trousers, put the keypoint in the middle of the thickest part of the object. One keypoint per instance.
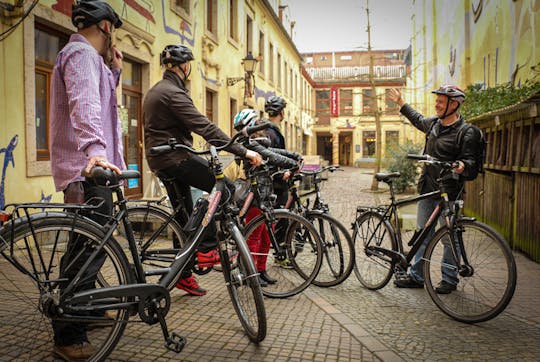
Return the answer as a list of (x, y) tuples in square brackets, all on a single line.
[(259, 241)]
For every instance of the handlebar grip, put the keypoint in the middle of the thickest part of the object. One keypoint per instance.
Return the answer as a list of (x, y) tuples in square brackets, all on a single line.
[(418, 157), (250, 130), (159, 150)]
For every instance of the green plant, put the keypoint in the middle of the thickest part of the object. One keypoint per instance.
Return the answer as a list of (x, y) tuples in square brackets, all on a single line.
[(480, 101), (398, 162)]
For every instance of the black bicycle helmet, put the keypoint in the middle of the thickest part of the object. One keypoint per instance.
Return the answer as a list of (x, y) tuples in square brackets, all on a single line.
[(274, 105), (85, 13), (175, 54)]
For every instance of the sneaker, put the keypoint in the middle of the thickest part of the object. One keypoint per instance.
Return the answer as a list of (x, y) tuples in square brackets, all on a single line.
[(75, 352), (191, 286), (408, 282), (445, 287), (211, 258), (285, 264), (262, 282)]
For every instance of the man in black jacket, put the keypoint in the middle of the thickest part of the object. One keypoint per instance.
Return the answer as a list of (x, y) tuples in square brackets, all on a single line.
[(168, 112), (441, 134)]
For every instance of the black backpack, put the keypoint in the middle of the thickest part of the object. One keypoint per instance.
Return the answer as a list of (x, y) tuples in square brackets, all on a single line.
[(480, 157)]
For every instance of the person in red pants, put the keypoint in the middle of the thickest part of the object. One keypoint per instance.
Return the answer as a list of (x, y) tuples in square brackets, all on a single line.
[(259, 241)]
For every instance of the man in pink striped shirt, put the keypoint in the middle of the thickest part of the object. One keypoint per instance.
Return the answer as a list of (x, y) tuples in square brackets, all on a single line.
[(85, 131)]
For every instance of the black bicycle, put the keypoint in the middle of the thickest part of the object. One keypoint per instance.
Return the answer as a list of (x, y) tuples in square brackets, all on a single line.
[(462, 246), (293, 255), (46, 280), (338, 247)]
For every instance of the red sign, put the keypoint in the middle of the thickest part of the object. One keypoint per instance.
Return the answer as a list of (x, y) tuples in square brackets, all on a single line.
[(334, 106)]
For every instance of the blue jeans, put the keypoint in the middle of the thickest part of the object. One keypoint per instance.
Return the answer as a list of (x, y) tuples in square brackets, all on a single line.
[(450, 275)]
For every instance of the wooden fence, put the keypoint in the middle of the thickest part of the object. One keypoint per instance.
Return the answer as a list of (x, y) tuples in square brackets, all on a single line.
[(507, 195)]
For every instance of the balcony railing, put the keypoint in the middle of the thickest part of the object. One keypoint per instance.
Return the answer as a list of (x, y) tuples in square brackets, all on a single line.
[(380, 72)]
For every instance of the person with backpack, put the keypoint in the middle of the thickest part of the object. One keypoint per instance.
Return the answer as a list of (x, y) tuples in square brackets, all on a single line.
[(448, 138)]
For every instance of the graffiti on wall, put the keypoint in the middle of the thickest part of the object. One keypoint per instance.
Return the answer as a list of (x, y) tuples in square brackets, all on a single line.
[(8, 157)]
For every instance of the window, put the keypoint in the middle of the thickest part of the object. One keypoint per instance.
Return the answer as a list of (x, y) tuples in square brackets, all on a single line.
[(271, 62), (278, 70), (211, 16), (47, 45), (261, 52), (323, 103), (249, 34), (182, 7), (368, 139), (233, 109), (211, 98), (233, 19), (131, 116), (368, 101), (391, 107), (345, 102)]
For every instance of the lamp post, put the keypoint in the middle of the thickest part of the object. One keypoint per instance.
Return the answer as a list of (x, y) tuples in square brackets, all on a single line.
[(249, 63)]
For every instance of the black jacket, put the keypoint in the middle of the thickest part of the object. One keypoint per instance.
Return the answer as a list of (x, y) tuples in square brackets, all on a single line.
[(168, 111), (441, 144)]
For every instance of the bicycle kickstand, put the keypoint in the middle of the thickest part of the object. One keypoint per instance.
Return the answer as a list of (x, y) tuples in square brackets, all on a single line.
[(173, 342)]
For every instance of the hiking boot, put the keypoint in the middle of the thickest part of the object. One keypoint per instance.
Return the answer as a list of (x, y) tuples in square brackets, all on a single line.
[(267, 278), (211, 258), (75, 352), (408, 282), (445, 287), (262, 282), (191, 286)]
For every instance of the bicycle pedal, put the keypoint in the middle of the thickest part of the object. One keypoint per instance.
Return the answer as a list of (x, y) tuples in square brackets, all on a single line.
[(175, 343)]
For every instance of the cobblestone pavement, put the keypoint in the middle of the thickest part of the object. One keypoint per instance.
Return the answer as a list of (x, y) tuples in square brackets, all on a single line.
[(345, 322)]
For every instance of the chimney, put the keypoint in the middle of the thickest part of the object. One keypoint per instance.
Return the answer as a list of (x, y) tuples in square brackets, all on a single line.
[(280, 13)]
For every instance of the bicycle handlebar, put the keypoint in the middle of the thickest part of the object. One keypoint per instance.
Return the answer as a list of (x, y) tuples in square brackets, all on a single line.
[(433, 161), (174, 145)]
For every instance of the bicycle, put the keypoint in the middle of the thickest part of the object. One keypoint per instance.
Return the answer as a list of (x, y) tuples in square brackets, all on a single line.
[(295, 256), (464, 246), (40, 287), (338, 247)]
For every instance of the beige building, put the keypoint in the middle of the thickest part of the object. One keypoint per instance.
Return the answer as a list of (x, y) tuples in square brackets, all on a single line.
[(221, 34), (345, 105)]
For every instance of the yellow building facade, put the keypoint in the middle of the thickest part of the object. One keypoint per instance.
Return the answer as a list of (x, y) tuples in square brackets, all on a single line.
[(466, 42), (220, 33)]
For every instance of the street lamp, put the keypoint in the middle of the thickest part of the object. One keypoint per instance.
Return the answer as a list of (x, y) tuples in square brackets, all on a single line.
[(249, 63)]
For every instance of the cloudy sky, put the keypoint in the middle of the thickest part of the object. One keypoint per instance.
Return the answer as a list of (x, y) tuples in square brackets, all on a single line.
[(323, 25)]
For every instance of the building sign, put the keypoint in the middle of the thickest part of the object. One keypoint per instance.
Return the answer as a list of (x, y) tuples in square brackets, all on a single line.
[(334, 106)]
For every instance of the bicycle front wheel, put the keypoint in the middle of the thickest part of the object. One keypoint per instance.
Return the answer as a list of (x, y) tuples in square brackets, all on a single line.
[(31, 279), (486, 287), (338, 250), (243, 285), (372, 235), (298, 257)]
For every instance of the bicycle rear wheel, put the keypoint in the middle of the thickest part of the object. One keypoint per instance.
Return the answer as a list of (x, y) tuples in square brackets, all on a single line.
[(299, 257), (371, 235), (243, 285), (30, 272), (155, 233), (338, 250), (484, 291)]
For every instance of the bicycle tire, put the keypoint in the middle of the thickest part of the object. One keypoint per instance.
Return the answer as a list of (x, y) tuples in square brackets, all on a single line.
[(373, 268), (486, 293), (338, 250), (243, 285), (38, 250), (154, 229), (302, 248)]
